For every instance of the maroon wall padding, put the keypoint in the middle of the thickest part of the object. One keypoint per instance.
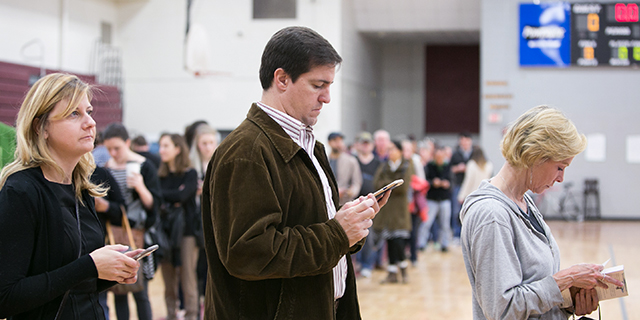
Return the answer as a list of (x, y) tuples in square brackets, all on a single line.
[(452, 89), (14, 84)]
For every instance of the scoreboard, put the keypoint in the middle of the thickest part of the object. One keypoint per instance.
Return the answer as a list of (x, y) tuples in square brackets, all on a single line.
[(562, 34)]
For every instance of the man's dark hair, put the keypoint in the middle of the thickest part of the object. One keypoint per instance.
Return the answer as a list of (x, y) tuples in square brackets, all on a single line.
[(397, 143), (139, 141), (465, 134), (115, 130), (296, 50)]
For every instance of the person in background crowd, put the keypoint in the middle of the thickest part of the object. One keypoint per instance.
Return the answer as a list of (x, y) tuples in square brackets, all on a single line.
[(100, 152), (393, 222), (140, 146), (459, 161), (108, 209), (409, 153), (425, 150), (478, 169), (7, 143), (190, 131), (417, 196), (368, 166), (382, 141), (511, 257), (345, 168), (439, 196), (448, 154), (279, 246), (141, 191), (179, 182), (54, 261), (206, 141)]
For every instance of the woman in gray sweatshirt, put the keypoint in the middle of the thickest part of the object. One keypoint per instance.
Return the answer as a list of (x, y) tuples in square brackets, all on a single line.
[(512, 259)]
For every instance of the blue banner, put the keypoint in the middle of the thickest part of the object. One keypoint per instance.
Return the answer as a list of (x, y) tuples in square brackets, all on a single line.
[(545, 37)]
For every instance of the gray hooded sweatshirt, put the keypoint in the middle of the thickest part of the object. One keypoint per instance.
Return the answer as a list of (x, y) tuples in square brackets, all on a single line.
[(510, 264)]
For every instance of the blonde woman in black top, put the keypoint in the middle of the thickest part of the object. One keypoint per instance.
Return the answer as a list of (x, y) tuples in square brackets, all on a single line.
[(54, 261)]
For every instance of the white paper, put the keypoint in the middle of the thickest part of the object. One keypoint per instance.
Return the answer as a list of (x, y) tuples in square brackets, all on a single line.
[(596, 147), (633, 149)]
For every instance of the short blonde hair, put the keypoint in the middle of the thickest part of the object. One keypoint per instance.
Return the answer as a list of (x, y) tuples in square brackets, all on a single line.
[(31, 147), (540, 134)]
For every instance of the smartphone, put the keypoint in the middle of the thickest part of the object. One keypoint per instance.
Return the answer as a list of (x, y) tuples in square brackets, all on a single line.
[(146, 252), (380, 193)]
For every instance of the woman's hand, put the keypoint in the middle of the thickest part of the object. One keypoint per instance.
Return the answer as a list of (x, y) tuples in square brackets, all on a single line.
[(135, 181), (585, 276), (102, 205), (199, 190), (585, 301), (114, 265)]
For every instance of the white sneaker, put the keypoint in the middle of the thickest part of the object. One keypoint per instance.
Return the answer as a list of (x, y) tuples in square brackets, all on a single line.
[(365, 273)]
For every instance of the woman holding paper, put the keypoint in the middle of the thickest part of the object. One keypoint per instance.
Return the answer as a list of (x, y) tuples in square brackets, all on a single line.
[(512, 259)]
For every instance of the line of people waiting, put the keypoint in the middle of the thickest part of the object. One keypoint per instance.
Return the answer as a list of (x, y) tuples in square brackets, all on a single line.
[(438, 180), (163, 196)]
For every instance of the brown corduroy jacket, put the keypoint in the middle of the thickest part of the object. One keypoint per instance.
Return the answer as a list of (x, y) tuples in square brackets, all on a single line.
[(270, 246)]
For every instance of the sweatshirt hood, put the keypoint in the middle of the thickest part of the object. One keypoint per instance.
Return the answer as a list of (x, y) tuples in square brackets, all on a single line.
[(485, 191)]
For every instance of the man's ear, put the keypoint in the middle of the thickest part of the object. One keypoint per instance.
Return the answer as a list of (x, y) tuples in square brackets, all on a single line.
[(281, 79)]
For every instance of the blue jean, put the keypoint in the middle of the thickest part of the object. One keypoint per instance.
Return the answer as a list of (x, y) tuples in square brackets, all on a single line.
[(102, 298), (367, 256), (413, 241), (440, 209), (455, 212)]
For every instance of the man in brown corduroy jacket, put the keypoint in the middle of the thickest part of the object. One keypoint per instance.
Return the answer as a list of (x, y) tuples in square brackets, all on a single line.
[(277, 245)]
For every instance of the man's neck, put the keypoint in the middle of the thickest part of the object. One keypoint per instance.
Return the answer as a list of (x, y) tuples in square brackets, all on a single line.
[(334, 154), (272, 101)]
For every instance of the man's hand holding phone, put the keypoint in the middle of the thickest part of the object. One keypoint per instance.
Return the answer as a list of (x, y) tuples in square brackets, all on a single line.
[(386, 190), (356, 216)]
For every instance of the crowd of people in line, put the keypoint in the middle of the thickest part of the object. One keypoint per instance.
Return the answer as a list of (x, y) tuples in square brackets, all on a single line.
[(163, 195), (278, 218), (438, 180)]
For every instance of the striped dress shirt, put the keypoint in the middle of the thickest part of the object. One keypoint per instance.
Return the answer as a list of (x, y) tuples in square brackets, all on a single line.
[(303, 136)]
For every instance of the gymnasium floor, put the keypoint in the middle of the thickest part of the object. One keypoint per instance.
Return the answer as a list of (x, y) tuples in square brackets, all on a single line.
[(439, 288)]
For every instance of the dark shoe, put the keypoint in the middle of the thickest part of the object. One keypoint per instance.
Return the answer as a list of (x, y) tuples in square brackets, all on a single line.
[(392, 277), (444, 249), (405, 276)]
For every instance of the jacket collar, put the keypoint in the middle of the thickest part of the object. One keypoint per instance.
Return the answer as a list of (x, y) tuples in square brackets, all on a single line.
[(286, 147)]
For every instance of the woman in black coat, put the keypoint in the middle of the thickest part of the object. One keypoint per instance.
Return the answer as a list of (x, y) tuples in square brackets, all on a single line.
[(54, 262)]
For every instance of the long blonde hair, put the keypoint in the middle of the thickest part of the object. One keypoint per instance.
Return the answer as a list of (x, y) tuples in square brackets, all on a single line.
[(31, 147), (194, 154)]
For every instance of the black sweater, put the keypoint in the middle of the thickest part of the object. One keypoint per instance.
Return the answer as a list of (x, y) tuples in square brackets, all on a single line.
[(114, 197), (181, 189), (38, 253), (442, 172)]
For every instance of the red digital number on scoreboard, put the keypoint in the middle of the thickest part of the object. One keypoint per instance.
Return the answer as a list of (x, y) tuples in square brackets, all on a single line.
[(626, 12)]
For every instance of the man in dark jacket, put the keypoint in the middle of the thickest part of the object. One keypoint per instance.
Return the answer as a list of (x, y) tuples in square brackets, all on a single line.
[(276, 244), (459, 161)]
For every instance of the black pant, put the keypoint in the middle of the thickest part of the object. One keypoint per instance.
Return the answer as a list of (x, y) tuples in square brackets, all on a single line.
[(415, 231), (142, 303), (395, 246)]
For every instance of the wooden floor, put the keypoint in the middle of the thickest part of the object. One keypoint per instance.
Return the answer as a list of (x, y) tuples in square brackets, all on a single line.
[(439, 288)]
